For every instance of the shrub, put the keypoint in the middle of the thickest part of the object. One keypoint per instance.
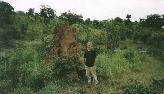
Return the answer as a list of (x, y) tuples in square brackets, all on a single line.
[(133, 55), (136, 87), (129, 55), (103, 66), (68, 66), (111, 65), (25, 68)]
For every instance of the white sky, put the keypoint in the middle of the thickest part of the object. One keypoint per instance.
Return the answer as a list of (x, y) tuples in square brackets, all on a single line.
[(96, 9)]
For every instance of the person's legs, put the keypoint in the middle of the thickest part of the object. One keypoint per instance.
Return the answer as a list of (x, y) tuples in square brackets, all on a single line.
[(88, 73), (93, 72)]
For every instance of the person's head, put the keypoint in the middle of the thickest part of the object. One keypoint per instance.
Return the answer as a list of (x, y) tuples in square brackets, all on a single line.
[(89, 45)]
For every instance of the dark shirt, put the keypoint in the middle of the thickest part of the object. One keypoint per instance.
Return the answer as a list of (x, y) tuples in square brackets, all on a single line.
[(90, 58)]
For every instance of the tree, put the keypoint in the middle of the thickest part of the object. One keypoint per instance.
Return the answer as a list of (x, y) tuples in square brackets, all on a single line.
[(30, 11), (114, 35), (154, 21), (6, 13), (95, 23), (88, 21), (127, 21), (20, 12), (47, 13), (98, 24), (71, 17), (118, 19)]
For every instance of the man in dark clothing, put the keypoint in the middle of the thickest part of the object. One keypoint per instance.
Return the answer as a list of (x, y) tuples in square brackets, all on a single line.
[(90, 58), (90, 61)]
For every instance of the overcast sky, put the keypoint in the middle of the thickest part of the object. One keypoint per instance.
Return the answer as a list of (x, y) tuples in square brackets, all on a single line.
[(96, 9)]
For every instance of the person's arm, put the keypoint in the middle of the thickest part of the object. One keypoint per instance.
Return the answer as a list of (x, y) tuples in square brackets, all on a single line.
[(84, 60), (84, 57), (95, 61), (94, 57)]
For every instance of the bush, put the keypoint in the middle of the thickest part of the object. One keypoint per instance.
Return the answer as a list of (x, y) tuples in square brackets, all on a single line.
[(111, 65), (129, 55), (104, 70), (133, 55), (136, 87), (25, 68), (68, 67)]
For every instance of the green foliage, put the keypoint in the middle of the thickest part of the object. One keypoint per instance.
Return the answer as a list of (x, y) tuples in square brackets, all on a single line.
[(132, 55), (25, 68), (97, 24), (8, 29), (48, 42), (129, 56), (82, 32), (128, 22), (85, 34), (113, 37), (68, 64), (135, 87), (6, 13), (98, 37), (88, 21), (108, 66), (157, 40), (82, 91), (50, 89), (22, 90), (5, 83), (103, 66), (47, 13), (49, 29), (121, 61), (135, 58), (118, 19), (155, 21), (31, 11), (145, 35), (72, 18)]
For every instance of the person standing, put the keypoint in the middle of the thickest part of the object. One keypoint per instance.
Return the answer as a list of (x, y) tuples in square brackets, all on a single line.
[(90, 63)]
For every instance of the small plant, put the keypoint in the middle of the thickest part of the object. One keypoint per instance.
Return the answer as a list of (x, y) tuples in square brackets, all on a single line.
[(135, 87), (82, 91), (129, 55), (50, 89)]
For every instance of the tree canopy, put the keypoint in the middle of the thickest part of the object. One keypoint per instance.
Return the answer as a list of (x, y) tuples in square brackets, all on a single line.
[(6, 12)]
